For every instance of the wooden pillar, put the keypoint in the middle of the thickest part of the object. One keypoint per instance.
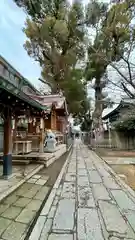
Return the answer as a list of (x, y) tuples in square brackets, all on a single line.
[(53, 119), (58, 125), (30, 127), (62, 127), (7, 158)]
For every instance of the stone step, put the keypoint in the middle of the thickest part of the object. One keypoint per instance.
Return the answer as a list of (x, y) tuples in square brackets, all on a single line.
[(20, 157), (20, 162)]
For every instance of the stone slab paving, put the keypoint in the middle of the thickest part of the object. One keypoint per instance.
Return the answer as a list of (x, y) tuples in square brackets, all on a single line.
[(18, 210), (66, 207), (19, 176), (87, 202)]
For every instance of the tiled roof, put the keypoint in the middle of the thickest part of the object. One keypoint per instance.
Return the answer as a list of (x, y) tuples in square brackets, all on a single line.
[(27, 91), (124, 102), (49, 100), (109, 110)]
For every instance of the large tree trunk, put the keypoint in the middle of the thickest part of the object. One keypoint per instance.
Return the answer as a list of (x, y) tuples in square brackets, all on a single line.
[(97, 115)]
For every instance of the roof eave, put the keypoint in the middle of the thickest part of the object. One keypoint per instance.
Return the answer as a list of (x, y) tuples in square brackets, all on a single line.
[(21, 95), (111, 113)]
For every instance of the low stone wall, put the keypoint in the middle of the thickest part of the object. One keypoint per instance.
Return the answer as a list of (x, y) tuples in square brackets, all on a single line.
[(117, 140), (124, 141)]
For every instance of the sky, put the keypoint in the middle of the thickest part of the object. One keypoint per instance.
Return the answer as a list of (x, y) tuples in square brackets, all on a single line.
[(12, 38)]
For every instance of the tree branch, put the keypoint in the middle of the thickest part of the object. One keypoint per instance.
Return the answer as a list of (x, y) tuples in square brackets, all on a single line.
[(127, 91)]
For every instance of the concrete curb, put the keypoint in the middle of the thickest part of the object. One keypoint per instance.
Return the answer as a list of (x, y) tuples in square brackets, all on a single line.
[(56, 185), (69, 148), (35, 234), (48, 203)]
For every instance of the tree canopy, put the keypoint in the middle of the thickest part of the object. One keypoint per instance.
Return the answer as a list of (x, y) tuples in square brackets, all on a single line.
[(112, 46), (61, 35), (115, 41), (56, 40)]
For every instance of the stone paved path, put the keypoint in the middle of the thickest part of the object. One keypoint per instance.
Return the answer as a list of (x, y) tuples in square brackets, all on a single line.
[(19, 209), (88, 202), (19, 174)]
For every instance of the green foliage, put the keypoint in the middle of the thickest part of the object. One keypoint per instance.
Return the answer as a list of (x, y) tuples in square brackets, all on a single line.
[(95, 11), (95, 15), (56, 34), (114, 30), (114, 41), (86, 123), (113, 33), (76, 92), (33, 8), (127, 125), (84, 118), (96, 65), (56, 41), (126, 120)]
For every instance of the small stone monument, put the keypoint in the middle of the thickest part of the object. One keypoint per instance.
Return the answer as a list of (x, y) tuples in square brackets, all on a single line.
[(50, 142)]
